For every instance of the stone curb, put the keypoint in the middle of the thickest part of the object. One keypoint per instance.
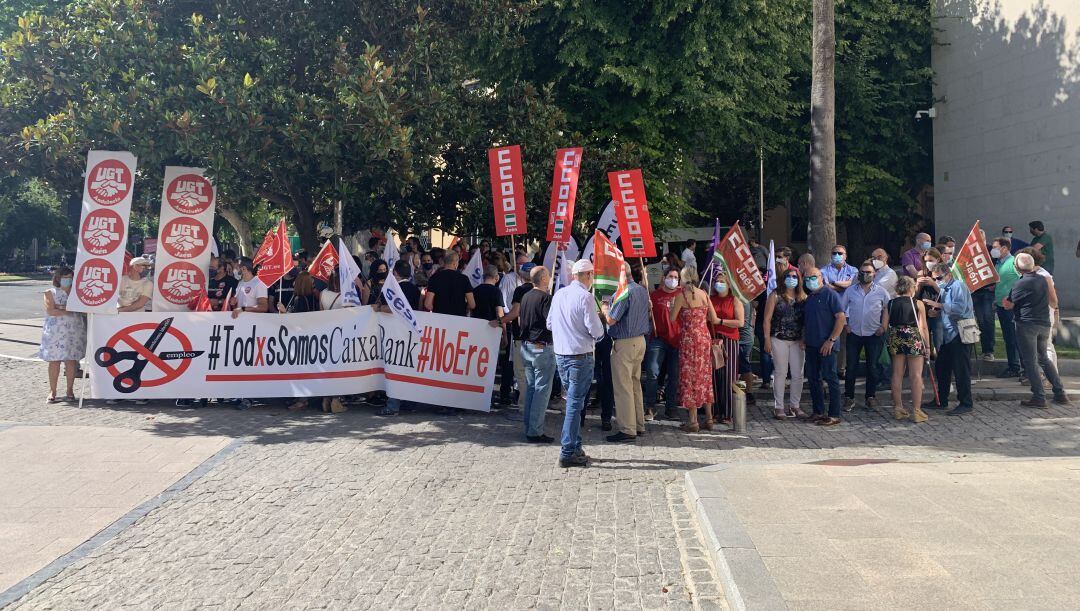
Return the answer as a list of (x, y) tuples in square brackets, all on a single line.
[(746, 580)]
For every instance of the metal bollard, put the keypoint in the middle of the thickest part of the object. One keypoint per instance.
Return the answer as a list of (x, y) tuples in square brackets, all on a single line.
[(738, 412)]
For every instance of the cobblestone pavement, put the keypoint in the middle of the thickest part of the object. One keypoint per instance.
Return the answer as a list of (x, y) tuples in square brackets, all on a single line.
[(433, 511)]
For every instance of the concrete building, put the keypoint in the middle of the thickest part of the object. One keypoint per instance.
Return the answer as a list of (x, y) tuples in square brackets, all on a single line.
[(1007, 125)]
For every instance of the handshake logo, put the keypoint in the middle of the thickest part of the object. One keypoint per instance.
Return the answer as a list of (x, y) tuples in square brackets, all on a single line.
[(190, 194), (109, 182), (180, 283), (101, 232), (183, 238), (97, 283)]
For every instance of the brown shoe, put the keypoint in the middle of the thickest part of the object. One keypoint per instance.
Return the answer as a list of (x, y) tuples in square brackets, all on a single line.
[(337, 406), (1062, 400), (690, 427), (707, 425), (829, 422)]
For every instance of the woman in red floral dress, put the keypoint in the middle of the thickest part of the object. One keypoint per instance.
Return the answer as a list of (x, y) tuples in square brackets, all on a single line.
[(693, 310)]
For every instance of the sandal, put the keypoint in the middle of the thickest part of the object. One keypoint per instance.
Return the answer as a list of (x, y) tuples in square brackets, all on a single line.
[(901, 413), (690, 427), (52, 399), (707, 425), (298, 405), (796, 412)]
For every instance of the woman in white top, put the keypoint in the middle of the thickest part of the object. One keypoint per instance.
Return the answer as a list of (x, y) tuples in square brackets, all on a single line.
[(330, 297)]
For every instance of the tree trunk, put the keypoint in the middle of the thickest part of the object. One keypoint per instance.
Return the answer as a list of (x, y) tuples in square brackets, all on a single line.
[(242, 228), (822, 135), (306, 225)]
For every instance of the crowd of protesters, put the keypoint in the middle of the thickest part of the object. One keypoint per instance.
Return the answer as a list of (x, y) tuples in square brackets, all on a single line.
[(679, 347)]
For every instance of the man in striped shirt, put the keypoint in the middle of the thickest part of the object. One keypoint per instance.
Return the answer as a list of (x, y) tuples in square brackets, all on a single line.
[(630, 323)]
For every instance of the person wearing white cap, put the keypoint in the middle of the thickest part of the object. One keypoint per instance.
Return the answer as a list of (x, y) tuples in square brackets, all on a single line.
[(575, 326), (135, 287)]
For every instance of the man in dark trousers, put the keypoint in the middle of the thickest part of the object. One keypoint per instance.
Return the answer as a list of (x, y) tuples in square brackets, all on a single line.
[(1030, 299)]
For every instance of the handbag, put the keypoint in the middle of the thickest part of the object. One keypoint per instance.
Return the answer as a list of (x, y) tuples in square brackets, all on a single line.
[(968, 328), (719, 361)]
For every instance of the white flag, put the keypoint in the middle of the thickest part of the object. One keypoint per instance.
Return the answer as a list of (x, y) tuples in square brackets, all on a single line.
[(771, 275), (214, 247), (475, 269), (608, 225), (348, 271), (391, 292), (390, 253)]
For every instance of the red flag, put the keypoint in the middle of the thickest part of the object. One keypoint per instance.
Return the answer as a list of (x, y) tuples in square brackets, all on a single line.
[(632, 210), (280, 261), (507, 190), (202, 304), (736, 261), (973, 262), (266, 250), (225, 302), (325, 262), (563, 194)]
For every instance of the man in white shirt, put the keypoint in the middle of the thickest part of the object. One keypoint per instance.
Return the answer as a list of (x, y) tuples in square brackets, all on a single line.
[(251, 292), (884, 276), (136, 289), (689, 258), (574, 321)]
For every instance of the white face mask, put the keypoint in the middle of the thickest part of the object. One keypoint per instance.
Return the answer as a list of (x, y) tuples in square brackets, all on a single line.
[(995, 253), (878, 264), (671, 283)]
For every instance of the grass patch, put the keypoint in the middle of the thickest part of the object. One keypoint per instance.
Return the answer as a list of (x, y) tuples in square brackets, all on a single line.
[(1063, 352), (23, 277)]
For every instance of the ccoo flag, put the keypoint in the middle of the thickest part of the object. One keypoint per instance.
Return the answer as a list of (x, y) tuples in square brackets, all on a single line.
[(734, 259), (973, 262)]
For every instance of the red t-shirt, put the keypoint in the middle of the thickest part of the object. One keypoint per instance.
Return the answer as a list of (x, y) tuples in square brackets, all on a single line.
[(661, 305), (725, 310)]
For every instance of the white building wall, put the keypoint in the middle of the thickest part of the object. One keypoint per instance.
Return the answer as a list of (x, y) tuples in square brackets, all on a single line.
[(1007, 131)]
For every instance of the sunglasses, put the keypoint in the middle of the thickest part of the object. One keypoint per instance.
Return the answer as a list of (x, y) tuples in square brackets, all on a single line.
[(811, 277), (837, 252)]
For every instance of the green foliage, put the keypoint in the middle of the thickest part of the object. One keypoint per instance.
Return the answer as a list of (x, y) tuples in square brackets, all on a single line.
[(30, 210)]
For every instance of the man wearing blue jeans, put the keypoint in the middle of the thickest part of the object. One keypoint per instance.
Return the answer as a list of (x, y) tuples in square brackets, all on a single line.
[(537, 354), (825, 320), (574, 321)]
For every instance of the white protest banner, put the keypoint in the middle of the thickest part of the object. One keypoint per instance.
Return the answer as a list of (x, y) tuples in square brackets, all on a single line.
[(450, 362), (160, 355), (103, 231), (185, 237), (475, 269)]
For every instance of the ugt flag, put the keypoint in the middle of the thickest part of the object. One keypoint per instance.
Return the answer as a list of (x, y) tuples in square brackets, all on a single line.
[(391, 292), (278, 259), (325, 262), (610, 269), (973, 262)]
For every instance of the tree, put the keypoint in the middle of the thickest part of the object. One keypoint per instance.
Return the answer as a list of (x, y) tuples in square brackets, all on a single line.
[(822, 135), (296, 103), (31, 210)]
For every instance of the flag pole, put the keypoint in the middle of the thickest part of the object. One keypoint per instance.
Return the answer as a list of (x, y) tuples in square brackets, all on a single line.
[(513, 253)]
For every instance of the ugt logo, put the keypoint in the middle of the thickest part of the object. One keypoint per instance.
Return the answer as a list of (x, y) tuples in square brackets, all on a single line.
[(184, 237), (180, 282), (108, 183), (190, 194), (97, 282), (100, 232)]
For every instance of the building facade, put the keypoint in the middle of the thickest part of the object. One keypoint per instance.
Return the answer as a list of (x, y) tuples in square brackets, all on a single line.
[(1007, 124)]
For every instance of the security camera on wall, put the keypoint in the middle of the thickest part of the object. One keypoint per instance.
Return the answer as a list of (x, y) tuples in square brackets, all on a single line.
[(926, 114)]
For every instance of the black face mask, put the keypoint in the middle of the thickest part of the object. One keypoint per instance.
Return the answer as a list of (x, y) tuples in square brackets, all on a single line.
[(378, 276), (866, 277)]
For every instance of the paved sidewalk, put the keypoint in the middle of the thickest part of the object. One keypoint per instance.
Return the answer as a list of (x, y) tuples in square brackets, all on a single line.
[(851, 535), (63, 484), (433, 511)]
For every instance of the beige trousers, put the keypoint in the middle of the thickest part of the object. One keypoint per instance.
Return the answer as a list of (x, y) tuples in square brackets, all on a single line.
[(626, 357)]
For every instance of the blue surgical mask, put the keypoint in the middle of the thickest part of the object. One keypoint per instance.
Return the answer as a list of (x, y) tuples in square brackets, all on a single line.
[(925, 245), (995, 253), (1007, 234), (65, 283), (813, 284), (838, 259), (721, 288), (791, 282)]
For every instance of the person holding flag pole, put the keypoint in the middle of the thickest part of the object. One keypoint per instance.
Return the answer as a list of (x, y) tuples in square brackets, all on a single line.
[(400, 297)]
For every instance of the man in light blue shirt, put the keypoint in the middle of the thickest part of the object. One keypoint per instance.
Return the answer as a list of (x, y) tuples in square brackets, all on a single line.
[(838, 276), (952, 358), (575, 328), (865, 304), (630, 323)]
